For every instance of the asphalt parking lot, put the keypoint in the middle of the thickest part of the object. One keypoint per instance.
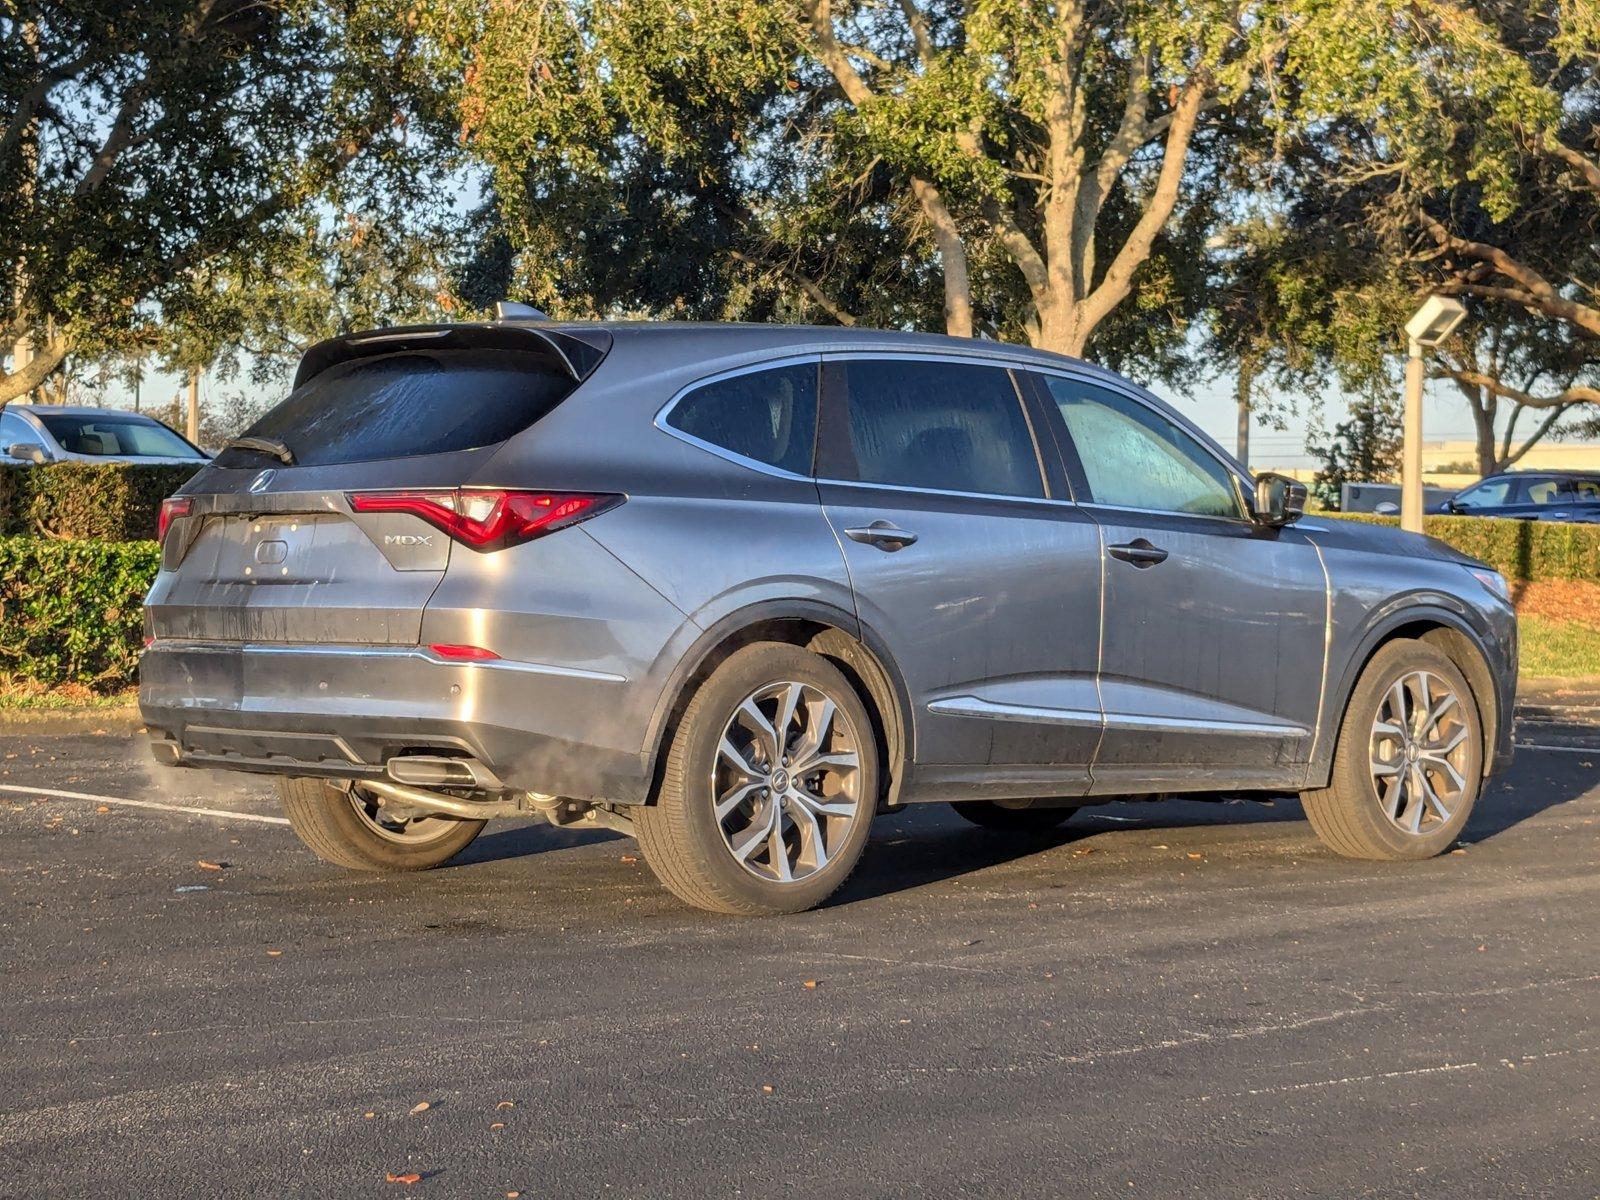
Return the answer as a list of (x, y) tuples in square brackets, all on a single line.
[(1173, 1000)]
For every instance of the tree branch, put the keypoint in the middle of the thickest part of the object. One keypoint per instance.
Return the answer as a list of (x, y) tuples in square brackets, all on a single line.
[(1574, 394), (807, 284), (1532, 290)]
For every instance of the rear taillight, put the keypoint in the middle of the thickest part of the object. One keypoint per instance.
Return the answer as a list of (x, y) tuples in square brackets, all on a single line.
[(171, 509), (489, 519)]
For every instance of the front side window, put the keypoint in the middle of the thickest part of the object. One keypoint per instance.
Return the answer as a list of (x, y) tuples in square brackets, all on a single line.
[(954, 427), (1133, 457), (769, 416)]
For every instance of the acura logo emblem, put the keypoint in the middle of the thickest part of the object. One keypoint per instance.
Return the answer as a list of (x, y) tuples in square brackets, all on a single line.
[(260, 482)]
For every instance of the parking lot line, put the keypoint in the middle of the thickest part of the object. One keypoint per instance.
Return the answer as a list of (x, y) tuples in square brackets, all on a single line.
[(56, 793)]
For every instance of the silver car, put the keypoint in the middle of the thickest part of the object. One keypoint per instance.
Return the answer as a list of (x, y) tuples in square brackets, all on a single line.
[(46, 433), (735, 589)]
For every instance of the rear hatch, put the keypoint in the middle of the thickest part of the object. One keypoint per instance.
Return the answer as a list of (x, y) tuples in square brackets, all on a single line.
[(263, 550)]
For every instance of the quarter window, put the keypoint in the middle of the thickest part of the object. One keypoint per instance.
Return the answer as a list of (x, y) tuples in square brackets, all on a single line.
[(956, 427), (1133, 457), (769, 416)]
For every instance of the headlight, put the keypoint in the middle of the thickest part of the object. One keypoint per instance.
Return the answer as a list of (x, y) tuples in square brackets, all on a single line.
[(1494, 581)]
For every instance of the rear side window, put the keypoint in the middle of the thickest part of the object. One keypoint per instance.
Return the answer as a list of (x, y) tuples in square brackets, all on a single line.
[(954, 427), (400, 405), (769, 416)]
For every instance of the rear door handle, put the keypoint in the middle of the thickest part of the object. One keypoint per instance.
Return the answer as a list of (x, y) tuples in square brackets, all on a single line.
[(1138, 552), (883, 535)]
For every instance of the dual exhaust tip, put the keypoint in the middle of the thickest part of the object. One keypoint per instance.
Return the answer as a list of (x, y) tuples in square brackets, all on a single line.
[(436, 771)]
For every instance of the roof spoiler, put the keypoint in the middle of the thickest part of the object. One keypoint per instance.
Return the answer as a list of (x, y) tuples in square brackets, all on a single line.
[(575, 353)]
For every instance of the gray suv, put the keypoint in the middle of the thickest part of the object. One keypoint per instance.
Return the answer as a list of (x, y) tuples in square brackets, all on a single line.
[(733, 590)]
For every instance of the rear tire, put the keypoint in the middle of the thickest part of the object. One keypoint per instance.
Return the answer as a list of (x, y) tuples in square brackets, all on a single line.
[(328, 821), (1395, 792), (1001, 818), (776, 740)]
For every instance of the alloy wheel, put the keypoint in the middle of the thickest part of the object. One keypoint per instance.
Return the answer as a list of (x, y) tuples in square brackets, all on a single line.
[(787, 781), (1419, 752), (410, 831)]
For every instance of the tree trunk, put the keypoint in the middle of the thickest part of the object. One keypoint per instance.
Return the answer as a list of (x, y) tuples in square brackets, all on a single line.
[(952, 257), (1483, 426), (1247, 376)]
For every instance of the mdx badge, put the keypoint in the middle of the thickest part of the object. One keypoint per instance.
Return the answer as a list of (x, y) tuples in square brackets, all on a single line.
[(408, 539)]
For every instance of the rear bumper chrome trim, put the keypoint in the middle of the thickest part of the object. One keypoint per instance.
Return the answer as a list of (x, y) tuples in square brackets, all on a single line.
[(300, 649)]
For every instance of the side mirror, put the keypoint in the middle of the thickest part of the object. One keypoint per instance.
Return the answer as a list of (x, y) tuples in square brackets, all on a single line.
[(1387, 508), (1279, 500), (29, 452)]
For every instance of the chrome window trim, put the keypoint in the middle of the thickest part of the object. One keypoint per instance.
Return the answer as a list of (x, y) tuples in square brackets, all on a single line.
[(767, 364), (314, 650)]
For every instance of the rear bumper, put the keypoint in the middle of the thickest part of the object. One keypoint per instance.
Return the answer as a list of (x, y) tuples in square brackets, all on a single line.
[(343, 711)]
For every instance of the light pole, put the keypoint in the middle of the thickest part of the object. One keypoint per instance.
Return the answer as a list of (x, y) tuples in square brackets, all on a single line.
[(1434, 321)]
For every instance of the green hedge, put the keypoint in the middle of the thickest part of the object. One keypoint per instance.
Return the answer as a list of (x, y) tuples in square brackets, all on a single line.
[(71, 611), (1530, 550), (116, 502)]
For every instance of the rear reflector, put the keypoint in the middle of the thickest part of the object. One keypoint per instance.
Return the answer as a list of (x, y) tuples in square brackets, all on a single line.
[(489, 519), (463, 653), (171, 509)]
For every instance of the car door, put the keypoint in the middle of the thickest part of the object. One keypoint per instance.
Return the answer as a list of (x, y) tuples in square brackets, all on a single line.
[(969, 562), (1213, 645)]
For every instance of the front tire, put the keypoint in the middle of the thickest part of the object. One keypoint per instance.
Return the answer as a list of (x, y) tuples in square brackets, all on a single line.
[(769, 786), (1409, 763), (348, 829)]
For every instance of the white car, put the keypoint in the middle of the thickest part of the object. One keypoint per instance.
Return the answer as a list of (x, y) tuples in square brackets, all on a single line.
[(37, 433)]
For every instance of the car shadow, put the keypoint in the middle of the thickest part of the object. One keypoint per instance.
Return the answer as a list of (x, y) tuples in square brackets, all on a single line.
[(507, 840)]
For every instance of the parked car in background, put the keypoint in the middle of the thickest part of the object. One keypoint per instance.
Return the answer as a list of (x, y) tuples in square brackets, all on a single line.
[(1530, 495), (736, 589), (45, 433)]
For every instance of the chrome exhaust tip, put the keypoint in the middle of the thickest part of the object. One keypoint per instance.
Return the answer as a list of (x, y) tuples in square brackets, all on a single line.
[(436, 771)]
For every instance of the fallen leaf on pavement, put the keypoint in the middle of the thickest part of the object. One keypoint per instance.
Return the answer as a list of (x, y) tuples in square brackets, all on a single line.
[(630, 858), (505, 1104), (209, 866), (767, 1088), (421, 1106), (103, 808), (498, 1125), (274, 953), (811, 985), (1192, 854), (408, 1177)]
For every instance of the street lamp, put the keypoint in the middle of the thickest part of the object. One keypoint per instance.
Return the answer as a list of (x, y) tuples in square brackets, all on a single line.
[(1434, 321)]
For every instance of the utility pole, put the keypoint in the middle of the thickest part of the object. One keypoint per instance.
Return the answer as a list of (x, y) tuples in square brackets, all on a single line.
[(194, 406), (1434, 321), (1245, 383)]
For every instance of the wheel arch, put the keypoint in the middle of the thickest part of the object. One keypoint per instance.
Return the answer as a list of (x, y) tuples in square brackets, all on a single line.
[(832, 632), (1443, 628)]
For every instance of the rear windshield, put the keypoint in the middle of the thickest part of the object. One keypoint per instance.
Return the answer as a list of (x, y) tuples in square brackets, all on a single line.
[(407, 404)]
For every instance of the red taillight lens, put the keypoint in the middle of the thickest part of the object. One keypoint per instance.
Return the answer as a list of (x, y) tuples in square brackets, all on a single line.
[(489, 519), (463, 653), (171, 509)]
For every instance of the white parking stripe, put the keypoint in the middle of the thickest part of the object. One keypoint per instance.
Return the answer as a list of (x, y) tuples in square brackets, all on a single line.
[(178, 808)]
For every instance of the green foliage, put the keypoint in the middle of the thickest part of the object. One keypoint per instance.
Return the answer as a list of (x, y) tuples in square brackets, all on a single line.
[(1534, 551), (117, 502), (1364, 448), (149, 150), (71, 611)]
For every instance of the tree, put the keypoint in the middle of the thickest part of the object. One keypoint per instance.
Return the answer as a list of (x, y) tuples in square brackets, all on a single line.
[(145, 147), (818, 158), (1462, 143), (1365, 447)]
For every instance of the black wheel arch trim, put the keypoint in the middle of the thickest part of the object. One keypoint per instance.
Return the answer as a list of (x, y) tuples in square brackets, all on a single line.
[(762, 612), (1436, 608)]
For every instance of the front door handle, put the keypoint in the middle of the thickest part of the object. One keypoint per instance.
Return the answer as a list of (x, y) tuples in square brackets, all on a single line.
[(883, 535), (1138, 552)]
